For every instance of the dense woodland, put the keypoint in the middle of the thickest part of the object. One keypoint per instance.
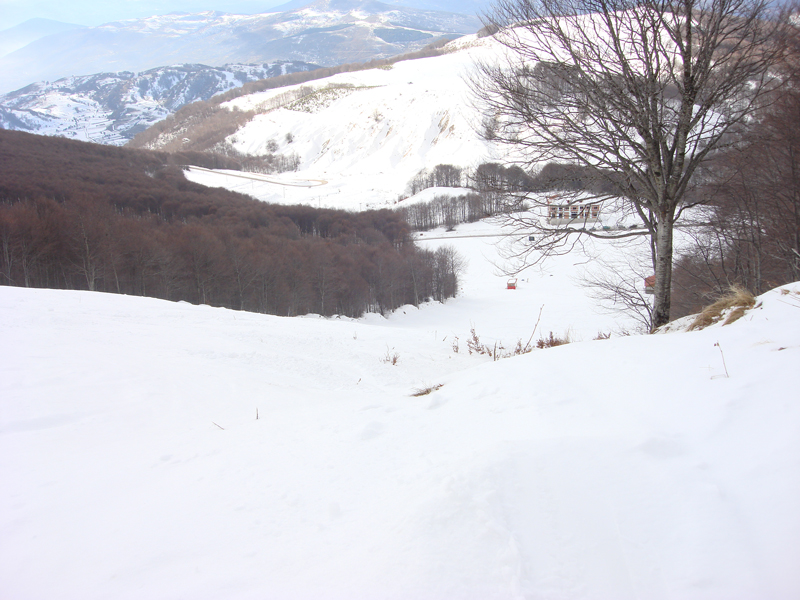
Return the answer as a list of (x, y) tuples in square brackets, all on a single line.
[(84, 216)]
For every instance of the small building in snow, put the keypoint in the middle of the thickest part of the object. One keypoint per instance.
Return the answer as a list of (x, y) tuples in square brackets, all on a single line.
[(563, 213)]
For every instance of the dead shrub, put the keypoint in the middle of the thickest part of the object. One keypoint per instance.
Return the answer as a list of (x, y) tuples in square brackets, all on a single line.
[(391, 357), (732, 306), (496, 352), (474, 344), (552, 341), (424, 391)]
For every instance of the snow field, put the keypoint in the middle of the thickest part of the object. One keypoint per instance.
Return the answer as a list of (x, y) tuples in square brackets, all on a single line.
[(132, 463)]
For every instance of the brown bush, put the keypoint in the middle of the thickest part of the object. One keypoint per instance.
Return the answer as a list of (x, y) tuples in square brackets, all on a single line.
[(732, 306), (552, 341)]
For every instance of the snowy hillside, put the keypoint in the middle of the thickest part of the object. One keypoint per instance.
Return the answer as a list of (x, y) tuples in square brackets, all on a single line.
[(110, 108), (362, 136), (325, 32), (162, 450)]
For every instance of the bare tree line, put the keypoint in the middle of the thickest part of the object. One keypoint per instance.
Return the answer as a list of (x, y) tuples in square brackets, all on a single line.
[(84, 216), (752, 236), (273, 270), (491, 184), (449, 211)]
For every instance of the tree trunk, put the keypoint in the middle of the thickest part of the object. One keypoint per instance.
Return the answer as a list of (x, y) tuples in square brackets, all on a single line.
[(663, 264)]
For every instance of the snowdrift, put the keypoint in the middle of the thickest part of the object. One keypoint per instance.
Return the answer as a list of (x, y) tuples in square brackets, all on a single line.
[(162, 450)]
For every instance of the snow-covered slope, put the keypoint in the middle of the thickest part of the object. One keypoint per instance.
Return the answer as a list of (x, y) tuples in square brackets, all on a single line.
[(111, 108), (161, 450), (362, 136), (326, 32)]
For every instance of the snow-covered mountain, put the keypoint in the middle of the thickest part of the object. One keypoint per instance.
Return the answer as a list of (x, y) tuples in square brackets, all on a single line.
[(360, 136), (327, 32), (464, 7), (110, 108)]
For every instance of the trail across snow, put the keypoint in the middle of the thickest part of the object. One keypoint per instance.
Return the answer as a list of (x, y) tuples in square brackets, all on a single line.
[(132, 464)]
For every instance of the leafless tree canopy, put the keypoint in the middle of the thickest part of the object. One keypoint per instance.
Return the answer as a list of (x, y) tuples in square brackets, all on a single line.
[(643, 93), (752, 237)]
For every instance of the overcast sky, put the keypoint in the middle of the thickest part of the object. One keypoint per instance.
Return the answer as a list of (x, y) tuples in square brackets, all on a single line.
[(96, 12)]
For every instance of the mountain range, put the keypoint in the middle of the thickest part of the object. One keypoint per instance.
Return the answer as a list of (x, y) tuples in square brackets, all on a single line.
[(326, 32), (110, 108)]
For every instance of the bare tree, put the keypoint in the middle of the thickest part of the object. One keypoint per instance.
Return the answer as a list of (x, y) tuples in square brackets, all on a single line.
[(448, 266), (617, 284), (641, 92)]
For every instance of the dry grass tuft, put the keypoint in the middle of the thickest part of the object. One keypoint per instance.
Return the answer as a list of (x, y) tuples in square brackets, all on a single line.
[(426, 390), (732, 306), (391, 357), (474, 345), (552, 341)]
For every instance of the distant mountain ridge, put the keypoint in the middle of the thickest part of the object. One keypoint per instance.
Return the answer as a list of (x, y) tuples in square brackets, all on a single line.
[(326, 32), (21, 35), (110, 108)]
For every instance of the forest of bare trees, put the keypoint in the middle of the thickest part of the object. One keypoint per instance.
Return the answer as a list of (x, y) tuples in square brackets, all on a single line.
[(84, 216), (489, 185), (448, 211), (750, 234)]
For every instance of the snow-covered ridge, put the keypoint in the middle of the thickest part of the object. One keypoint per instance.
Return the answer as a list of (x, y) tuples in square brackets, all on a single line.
[(177, 23), (365, 133), (110, 108)]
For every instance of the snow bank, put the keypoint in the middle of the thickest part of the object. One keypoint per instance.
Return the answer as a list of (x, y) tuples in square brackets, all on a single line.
[(133, 464)]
